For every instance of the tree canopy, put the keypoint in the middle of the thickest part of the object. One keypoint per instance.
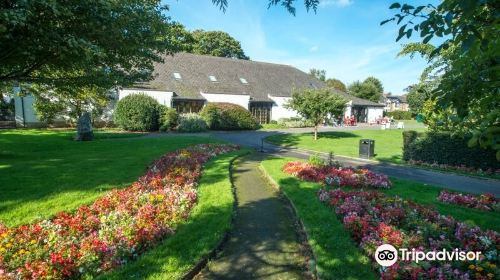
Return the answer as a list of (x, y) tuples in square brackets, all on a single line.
[(318, 74), (366, 89), (316, 105), (336, 84), (466, 74), (216, 43), (100, 43)]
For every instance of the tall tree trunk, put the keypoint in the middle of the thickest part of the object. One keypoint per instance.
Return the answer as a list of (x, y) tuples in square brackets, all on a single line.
[(316, 132)]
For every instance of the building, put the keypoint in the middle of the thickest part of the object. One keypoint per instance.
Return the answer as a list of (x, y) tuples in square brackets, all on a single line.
[(395, 103), (187, 82)]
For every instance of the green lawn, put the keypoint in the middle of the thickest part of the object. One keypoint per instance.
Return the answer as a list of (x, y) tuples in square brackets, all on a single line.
[(388, 143), (194, 239), (337, 255), (43, 172)]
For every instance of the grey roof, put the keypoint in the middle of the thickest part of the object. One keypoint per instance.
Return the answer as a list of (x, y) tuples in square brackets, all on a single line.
[(358, 101), (263, 78)]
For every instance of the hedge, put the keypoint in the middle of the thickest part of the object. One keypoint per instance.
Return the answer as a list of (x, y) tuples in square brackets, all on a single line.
[(444, 148), (191, 122), (137, 112), (226, 116), (169, 118), (400, 115)]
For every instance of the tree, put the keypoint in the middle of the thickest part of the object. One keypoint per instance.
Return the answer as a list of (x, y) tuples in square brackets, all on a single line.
[(336, 84), (69, 102), (287, 4), (468, 81), (365, 90), (376, 82), (318, 74), (217, 43), (102, 43), (417, 95), (316, 105)]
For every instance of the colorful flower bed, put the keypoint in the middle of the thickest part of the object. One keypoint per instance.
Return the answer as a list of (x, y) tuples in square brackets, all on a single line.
[(337, 176), (374, 219), (114, 229), (459, 168), (486, 202)]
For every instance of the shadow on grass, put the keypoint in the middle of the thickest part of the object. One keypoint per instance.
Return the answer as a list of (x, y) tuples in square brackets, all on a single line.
[(45, 172), (337, 255), (193, 239), (293, 140)]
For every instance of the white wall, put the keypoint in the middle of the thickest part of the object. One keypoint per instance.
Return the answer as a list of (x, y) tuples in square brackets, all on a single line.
[(29, 110), (238, 99), (348, 109), (374, 113), (278, 111), (163, 97)]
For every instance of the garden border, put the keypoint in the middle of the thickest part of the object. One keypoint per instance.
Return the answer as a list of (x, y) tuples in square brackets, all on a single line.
[(300, 229), (201, 264)]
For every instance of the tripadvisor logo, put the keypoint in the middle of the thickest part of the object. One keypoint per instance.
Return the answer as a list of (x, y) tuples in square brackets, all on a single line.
[(387, 255)]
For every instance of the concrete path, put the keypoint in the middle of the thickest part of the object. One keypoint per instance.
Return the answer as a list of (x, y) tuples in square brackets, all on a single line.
[(263, 243), (457, 182)]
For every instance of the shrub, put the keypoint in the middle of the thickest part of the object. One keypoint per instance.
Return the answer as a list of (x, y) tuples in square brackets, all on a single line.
[(169, 119), (316, 160), (226, 116), (191, 122), (400, 115), (137, 112), (294, 122), (443, 148)]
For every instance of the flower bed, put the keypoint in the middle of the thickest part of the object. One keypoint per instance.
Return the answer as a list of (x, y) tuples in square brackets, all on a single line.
[(374, 219), (459, 168), (338, 177), (113, 230), (486, 202)]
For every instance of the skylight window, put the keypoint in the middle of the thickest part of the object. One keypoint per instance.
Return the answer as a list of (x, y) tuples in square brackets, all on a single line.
[(243, 81), (177, 76), (212, 78)]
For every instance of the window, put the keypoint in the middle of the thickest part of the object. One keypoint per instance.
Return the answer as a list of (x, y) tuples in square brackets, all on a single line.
[(212, 78), (243, 81), (177, 76)]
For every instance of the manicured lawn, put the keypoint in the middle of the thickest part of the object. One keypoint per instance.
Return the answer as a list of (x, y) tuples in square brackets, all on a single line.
[(388, 143), (43, 172), (337, 255), (194, 239)]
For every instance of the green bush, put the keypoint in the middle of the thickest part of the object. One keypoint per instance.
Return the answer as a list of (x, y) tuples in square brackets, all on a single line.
[(137, 112), (294, 122), (400, 115), (316, 160), (226, 116), (443, 148), (191, 122), (169, 119)]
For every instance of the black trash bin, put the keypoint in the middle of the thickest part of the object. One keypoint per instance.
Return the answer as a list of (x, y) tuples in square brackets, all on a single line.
[(366, 148)]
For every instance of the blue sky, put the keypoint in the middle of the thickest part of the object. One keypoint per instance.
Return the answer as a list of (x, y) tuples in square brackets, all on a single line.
[(344, 37)]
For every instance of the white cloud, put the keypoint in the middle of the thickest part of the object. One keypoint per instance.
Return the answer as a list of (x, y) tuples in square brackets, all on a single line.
[(338, 3), (313, 49)]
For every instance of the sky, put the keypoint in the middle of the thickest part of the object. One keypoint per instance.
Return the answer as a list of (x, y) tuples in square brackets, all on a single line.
[(344, 37)]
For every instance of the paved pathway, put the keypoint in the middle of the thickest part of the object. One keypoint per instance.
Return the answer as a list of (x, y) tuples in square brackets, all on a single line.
[(448, 180), (263, 243)]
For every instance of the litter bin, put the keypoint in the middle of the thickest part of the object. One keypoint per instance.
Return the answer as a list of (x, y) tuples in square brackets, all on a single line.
[(366, 148)]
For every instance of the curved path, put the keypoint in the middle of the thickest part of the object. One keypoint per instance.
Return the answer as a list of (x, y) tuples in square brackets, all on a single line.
[(448, 180), (263, 243)]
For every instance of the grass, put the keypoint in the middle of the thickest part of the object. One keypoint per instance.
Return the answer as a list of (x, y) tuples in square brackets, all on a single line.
[(337, 255), (426, 194), (388, 143), (43, 172), (194, 239)]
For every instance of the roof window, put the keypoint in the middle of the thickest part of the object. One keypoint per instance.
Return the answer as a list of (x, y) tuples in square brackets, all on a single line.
[(212, 78), (177, 76), (243, 81)]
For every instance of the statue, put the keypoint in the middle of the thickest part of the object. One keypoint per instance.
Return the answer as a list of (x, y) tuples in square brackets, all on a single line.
[(84, 128)]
